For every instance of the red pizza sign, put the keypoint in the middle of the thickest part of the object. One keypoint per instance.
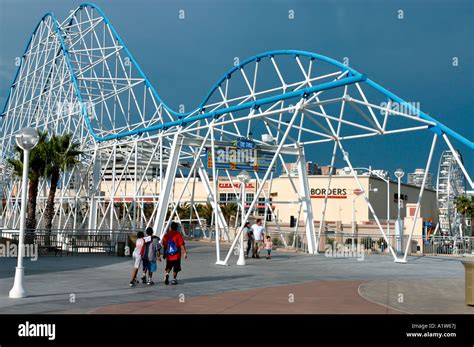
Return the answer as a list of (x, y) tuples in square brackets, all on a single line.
[(235, 185)]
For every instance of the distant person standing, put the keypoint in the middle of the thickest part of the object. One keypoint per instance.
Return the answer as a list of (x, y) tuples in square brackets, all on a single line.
[(268, 246), (150, 256), (258, 235), (250, 239), (174, 249)]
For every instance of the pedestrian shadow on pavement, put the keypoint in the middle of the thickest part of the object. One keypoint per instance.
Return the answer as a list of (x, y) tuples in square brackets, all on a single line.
[(211, 278), (46, 265), (277, 257), (127, 289), (437, 258)]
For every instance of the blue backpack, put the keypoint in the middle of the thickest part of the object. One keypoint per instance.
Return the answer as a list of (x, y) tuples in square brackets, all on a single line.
[(171, 249)]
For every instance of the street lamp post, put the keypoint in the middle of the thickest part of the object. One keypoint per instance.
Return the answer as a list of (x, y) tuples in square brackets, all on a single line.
[(26, 139), (347, 170), (399, 173), (386, 180), (357, 193), (388, 209), (243, 178)]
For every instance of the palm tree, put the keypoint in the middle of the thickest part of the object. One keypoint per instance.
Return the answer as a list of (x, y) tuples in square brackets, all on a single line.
[(462, 204), (229, 210), (63, 155), (148, 209), (37, 166), (205, 211), (184, 210), (465, 206)]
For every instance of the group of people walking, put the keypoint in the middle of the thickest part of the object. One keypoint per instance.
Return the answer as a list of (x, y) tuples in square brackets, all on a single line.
[(148, 251), (256, 240)]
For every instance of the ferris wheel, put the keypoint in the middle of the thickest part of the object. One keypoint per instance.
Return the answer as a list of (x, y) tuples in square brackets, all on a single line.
[(450, 185)]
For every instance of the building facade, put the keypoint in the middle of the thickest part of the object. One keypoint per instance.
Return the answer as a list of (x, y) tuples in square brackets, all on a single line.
[(416, 178), (278, 201)]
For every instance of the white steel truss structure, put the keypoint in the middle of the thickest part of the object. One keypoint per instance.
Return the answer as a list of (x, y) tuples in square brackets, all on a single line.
[(78, 76), (449, 186)]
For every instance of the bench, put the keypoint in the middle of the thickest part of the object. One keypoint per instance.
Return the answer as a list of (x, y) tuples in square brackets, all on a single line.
[(45, 243), (88, 243), (57, 247), (48, 243)]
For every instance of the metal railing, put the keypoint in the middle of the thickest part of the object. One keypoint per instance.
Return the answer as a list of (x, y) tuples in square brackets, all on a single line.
[(376, 244), (195, 230), (100, 241), (71, 241)]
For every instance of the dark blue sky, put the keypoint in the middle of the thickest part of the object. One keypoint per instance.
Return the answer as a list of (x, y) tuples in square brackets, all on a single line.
[(411, 57)]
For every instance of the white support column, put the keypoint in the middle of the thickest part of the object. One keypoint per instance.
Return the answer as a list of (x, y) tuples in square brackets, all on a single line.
[(196, 162), (323, 211), (167, 185), (112, 194), (268, 206), (192, 202), (306, 202), (96, 167), (215, 204), (333, 159), (458, 160), (298, 109), (135, 188), (420, 196), (366, 198), (295, 232), (222, 224)]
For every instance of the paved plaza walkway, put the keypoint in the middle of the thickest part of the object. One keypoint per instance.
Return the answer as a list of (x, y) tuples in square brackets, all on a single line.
[(288, 283)]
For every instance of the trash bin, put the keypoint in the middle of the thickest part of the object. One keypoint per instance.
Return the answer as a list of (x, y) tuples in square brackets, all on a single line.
[(121, 249), (469, 275)]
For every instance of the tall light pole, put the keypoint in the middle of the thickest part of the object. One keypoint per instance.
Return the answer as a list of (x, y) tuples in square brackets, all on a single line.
[(357, 193), (387, 181), (26, 139), (243, 178), (347, 171), (399, 173)]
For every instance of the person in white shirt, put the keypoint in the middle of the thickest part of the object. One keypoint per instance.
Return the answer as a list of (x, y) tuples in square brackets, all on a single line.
[(137, 257), (259, 235)]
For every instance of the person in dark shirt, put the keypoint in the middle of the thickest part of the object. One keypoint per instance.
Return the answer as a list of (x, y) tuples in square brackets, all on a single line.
[(250, 238)]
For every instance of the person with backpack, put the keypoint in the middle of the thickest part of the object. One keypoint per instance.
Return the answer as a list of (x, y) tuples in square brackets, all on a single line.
[(150, 255), (174, 250)]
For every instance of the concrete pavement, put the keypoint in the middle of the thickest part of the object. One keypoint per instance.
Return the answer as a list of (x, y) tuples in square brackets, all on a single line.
[(99, 284)]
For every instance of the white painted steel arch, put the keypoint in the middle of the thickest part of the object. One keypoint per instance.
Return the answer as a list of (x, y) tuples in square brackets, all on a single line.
[(78, 76)]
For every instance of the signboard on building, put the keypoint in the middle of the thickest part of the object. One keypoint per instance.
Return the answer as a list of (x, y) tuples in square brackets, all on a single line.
[(230, 185), (241, 154), (334, 193), (244, 143)]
